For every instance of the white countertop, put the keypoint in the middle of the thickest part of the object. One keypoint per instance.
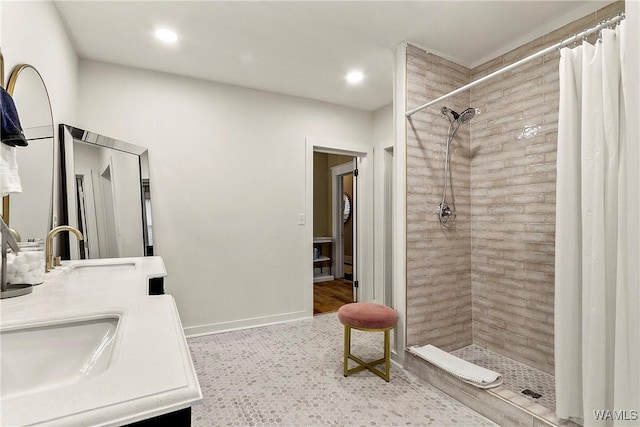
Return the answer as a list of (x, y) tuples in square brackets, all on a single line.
[(150, 372)]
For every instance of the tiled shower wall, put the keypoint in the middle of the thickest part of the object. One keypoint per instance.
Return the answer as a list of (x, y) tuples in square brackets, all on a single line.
[(509, 170), (438, 260)]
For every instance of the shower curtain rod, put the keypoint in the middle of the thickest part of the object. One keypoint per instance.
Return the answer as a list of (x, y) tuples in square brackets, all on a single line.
[(550, 49)]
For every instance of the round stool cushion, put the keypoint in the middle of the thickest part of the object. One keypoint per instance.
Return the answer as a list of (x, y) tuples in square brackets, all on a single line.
[(367, 315)]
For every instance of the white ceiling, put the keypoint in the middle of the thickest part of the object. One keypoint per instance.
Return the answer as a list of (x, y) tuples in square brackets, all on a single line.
[(305, 48)]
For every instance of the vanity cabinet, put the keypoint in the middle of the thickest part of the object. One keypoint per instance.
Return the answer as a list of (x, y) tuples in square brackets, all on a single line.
[(129, 364), (180, 418), (322, 262)]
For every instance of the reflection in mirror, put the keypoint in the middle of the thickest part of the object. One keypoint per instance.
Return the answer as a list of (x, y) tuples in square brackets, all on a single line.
[(31, 212), (107, 196)]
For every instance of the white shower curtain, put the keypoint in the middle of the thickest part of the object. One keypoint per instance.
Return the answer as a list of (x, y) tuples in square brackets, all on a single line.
[(595, 274)]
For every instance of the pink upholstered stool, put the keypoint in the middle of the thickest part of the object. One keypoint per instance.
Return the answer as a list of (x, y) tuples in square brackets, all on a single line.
[(370, 317)]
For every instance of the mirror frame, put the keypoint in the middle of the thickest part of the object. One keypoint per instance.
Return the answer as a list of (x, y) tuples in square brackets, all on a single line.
[(5, 199), (92, 138), (11, 84), (346, 204)]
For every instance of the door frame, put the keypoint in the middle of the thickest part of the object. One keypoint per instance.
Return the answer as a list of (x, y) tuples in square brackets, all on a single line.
[(365, 162), (91, 232)]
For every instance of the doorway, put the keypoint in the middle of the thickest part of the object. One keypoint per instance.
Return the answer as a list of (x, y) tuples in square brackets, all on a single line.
[(334, 227)]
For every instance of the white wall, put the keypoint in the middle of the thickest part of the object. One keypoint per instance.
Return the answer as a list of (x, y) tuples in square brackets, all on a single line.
[(32, 33), (382, 139), (227, 174)]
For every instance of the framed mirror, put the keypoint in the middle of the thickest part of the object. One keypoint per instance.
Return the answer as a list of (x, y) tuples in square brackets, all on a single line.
[(107, 196), (346, 208), (30, 213)]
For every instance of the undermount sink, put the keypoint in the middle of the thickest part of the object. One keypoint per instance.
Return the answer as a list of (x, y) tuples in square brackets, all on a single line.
[(45, 356), (81, 269)]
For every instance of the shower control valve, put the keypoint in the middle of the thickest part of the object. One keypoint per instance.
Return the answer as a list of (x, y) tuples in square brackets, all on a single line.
[(444, 212)]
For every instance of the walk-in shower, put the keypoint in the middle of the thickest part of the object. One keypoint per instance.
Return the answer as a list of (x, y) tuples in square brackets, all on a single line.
[(446, 213), (484, 290)]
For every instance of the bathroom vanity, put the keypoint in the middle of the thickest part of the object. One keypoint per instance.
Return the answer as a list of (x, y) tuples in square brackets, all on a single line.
[(91, 346)]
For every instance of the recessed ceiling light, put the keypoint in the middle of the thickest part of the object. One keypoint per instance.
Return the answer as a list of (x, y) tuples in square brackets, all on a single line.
[(166, 35), (355, 77)]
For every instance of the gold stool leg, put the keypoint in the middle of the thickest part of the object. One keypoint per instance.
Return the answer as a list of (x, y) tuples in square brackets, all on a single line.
[(386, 359), (347, 348), (387, 355)]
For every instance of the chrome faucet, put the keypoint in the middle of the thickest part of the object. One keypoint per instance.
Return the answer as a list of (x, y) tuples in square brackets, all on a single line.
[(49, 243)]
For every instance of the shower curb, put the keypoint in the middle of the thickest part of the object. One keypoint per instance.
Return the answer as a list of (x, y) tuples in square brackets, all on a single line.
[(500, 405)]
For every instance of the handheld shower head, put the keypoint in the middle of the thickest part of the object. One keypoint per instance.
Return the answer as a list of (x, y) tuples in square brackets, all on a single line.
[(464, 117)]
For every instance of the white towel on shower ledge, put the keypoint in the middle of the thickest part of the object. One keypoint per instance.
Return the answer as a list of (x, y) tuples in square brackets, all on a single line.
[(466, 371)]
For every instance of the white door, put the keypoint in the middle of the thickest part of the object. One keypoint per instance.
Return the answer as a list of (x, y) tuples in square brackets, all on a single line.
[(338, 173)]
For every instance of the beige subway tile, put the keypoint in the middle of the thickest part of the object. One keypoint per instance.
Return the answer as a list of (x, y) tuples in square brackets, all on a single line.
[(528, 331), (541, 228), (545, 348), (540, 208), (542, 167), (550, 198), (507, 264), (491, 65), (523, 51), (525, 199), (543, 148), (533, 69), (526, 313), (610, 10), (542, 268), (524, 87), (540, 247), (527, 275), (552, 98), (416, 51), (525, 180), (541, 422), (570, 29), (485, 409)]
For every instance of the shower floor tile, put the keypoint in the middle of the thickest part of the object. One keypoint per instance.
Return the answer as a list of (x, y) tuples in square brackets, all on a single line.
[(516, 376)]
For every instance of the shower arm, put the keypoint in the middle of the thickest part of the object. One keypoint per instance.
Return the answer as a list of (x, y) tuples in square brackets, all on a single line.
[(559, 45)]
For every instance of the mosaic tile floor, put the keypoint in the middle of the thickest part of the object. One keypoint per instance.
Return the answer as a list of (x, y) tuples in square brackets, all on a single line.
[(516, 376), (290, 374)]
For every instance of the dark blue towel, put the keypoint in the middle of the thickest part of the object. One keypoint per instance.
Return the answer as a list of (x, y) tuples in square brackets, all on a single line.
[(11, 130)]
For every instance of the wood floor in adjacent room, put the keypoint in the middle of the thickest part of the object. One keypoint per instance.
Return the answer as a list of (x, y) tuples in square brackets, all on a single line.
[(330, 296)]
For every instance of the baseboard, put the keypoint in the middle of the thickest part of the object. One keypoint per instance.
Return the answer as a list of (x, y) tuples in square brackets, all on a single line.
[(235, 325)]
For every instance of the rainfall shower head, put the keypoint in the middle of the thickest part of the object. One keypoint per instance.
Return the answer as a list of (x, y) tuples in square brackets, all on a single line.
[(464, 117)]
